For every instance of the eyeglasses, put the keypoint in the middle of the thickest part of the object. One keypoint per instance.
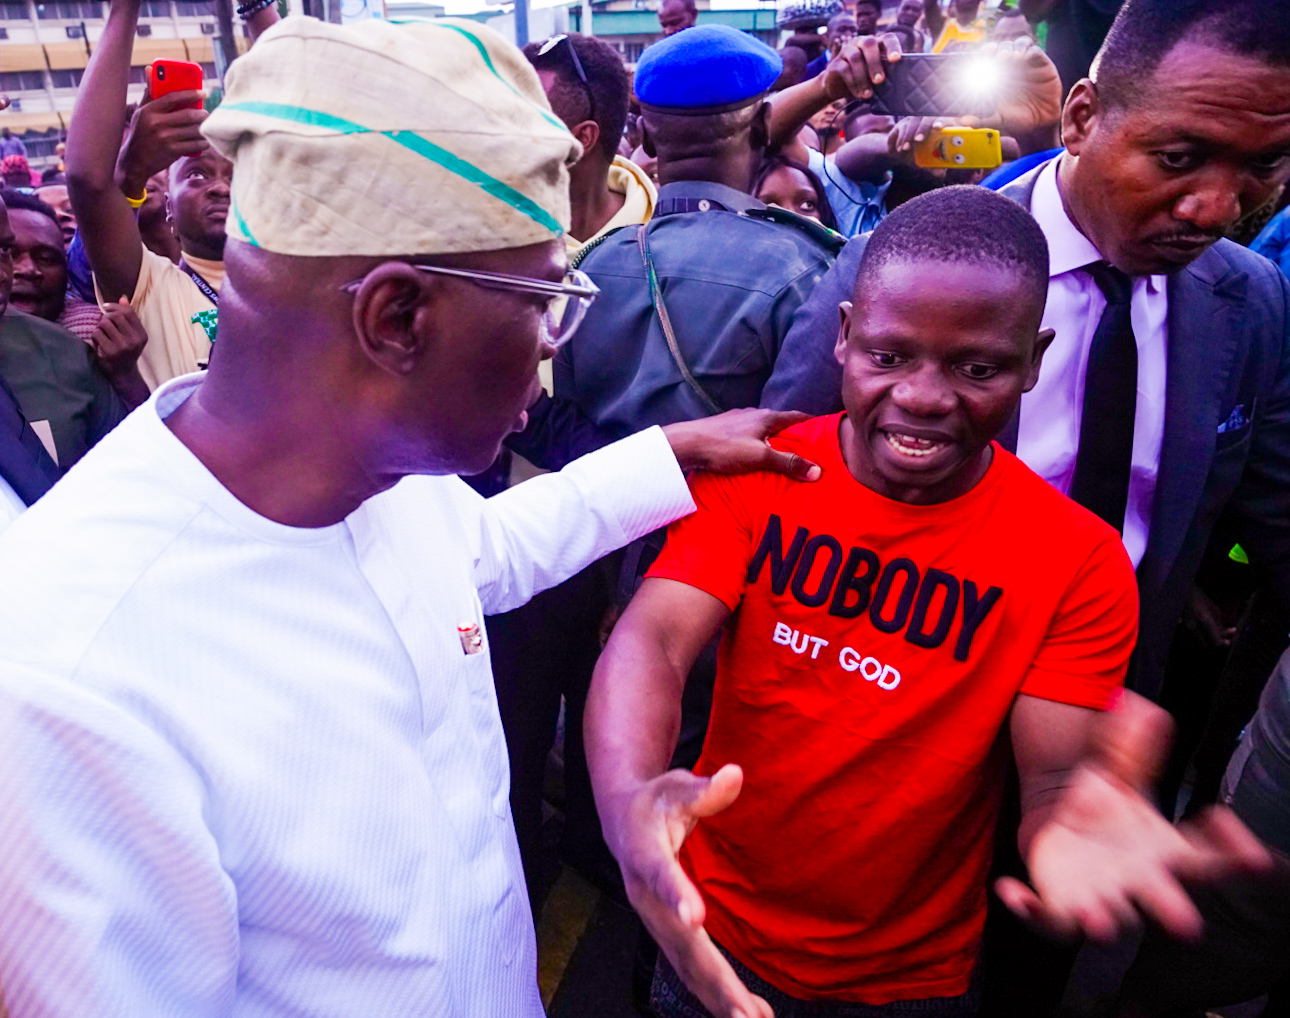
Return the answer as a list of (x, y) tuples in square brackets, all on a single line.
[(559, 321), (550, 47)]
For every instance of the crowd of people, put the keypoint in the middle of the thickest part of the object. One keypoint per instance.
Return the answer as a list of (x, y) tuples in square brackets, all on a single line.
[(899, 557)]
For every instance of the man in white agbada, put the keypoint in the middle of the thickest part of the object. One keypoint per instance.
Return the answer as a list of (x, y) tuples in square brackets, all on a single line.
[(252, 763)]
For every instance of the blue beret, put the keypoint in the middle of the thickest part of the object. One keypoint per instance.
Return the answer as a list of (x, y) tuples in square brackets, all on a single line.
[(708, 65)]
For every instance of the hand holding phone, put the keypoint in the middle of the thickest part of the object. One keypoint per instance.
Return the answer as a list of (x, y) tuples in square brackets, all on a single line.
[(1012, 87), (959, 148), (939, 84), (861, 65), (166, 76)]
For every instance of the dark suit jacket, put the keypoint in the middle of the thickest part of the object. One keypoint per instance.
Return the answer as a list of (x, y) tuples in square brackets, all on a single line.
[(24, 464), (1228, 366)]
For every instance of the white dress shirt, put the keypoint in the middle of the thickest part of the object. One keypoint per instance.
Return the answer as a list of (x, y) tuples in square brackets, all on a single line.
[(1051, 412), (251, 769)]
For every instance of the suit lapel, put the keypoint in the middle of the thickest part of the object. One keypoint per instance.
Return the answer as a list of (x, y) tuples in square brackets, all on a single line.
[(24, 464), (1205, 303)]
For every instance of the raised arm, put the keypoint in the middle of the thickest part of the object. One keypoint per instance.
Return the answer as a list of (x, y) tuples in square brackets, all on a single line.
[(851, 74), (104, 217), (262, 20), (632, 718)]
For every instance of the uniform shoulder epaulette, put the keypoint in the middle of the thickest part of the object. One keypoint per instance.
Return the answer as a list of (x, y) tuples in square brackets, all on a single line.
[(587, 249), (830, 240)]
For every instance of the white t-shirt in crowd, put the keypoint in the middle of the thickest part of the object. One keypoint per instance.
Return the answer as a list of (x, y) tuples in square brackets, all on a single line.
[(250, 769)]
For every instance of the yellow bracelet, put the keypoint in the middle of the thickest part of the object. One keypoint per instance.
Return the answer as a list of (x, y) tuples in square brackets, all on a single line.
[(137, 203)]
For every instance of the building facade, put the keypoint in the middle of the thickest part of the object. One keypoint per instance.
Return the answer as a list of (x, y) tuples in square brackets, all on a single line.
[(44, 48)]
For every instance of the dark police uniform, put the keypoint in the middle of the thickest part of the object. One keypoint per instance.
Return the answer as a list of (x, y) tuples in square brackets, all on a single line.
[(731, 279)]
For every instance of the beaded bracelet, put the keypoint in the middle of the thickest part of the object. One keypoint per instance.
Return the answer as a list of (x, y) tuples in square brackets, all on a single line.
[(246, 10)]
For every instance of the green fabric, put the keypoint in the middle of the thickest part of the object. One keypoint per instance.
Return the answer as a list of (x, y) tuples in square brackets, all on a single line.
[(55, 379)]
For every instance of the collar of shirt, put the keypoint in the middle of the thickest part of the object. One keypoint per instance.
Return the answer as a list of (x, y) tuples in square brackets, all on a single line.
[(735, 201), (1068, 248)]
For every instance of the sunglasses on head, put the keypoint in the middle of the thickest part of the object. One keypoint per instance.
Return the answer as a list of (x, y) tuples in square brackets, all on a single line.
[(554, 43)]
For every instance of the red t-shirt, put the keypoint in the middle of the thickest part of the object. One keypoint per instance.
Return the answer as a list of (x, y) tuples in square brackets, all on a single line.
[(875, 651)]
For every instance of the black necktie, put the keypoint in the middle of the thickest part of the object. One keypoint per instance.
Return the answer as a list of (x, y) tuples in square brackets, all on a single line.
[(1105, 456)]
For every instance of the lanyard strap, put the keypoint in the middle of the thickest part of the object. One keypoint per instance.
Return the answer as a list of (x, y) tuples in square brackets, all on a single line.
[(665, 320), (207, 290)]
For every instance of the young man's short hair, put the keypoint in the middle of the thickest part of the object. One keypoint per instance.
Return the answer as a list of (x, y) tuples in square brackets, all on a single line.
[(606, 81), (960, 224), (1145, 31), (19, 200)]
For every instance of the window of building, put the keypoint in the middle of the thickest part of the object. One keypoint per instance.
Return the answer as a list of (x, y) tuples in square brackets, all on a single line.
[(84, 11), (632, 51), (13, 11), (186, 9), (22, 81), (136, 75), (154, 9), (208, 71), (67, 79)]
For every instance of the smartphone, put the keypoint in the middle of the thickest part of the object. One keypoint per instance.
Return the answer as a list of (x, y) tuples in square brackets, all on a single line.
[(166, 76), (967, 148), (938, 85)]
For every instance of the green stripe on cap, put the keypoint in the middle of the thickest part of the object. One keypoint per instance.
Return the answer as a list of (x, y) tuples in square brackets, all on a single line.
[(488, 62), (475, 175), (413, 142), (241, 223)]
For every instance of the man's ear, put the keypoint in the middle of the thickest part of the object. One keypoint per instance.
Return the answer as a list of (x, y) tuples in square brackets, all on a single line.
[(647, 142), (393, 316), (588, 135), (1042, 342), (1080, 115), (759, 132), (840, 347)]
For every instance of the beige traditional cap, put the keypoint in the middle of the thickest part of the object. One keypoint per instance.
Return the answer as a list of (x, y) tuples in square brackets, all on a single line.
[(425, 137)]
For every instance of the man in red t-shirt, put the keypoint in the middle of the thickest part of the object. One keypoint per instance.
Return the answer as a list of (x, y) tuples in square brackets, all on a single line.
[(890, 626)]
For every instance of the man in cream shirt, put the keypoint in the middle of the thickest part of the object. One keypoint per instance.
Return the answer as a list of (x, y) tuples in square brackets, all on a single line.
[(253, 760)]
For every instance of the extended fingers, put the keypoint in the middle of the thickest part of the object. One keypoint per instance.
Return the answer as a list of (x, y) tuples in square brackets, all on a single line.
[(1165, 901), (1219, 845), (1030, 909), (712, 979)]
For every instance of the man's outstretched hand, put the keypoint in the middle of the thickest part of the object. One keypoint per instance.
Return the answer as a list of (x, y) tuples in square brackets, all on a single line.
[(1104, 857), (654, 822), (736, 443)]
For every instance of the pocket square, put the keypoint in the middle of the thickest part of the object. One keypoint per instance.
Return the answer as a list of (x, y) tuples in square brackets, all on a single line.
[(1236, 420)]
